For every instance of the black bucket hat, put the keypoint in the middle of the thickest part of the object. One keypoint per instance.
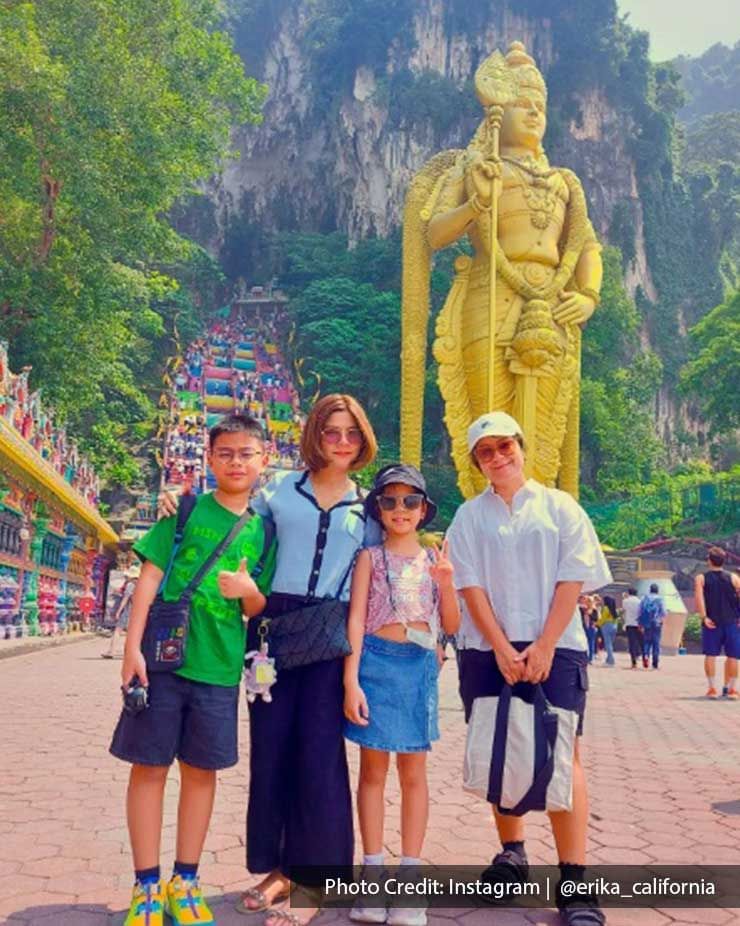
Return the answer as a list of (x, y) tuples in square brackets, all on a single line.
[(408, 475)]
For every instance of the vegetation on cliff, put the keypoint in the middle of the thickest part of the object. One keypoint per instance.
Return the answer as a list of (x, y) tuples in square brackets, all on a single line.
[(109, 111)]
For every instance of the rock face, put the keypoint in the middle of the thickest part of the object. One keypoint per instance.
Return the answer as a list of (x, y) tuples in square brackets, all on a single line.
[(348, 165)]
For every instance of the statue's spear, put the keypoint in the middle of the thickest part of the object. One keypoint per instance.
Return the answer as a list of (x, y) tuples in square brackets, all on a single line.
[(494, 92)]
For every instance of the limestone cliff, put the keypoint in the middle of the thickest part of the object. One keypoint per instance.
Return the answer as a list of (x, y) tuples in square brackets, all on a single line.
[(363, 92), (344, 159)]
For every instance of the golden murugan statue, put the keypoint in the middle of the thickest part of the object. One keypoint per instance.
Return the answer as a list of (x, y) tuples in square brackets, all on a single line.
[(507, 339)]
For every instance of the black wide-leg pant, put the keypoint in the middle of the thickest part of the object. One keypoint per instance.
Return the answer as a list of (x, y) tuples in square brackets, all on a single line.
[(300, 808)]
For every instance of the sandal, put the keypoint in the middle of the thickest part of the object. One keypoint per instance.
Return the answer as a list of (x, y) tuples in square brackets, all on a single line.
[(286, 918), (263, 903)]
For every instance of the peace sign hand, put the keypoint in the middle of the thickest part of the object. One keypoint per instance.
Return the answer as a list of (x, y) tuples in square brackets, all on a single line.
[(441, 569)]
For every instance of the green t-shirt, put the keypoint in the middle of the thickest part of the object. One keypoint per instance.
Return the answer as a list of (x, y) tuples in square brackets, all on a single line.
[(217, 635)]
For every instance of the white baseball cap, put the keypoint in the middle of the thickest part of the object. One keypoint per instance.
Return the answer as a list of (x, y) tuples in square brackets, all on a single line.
[(492, 424)]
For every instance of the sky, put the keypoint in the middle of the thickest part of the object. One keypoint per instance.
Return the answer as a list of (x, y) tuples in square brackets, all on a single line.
[(684, 27)]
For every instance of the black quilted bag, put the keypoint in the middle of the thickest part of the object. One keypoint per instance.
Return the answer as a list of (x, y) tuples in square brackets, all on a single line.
[(316, 632)]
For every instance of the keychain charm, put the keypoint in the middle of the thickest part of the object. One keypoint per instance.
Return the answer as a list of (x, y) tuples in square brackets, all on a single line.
[(261, 674)]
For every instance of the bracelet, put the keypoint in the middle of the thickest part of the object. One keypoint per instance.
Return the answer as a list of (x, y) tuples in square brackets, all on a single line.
[(591, 293), (475, 205)]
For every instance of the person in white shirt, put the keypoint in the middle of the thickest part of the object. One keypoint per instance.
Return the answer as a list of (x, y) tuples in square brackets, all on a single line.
[(522, 554), (630, 613)]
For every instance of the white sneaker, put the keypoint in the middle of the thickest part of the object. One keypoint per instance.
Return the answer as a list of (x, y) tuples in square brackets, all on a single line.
[(362, 914), (407, 916)]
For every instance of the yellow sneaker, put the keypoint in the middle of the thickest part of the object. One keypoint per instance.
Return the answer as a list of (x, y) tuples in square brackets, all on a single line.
[(185, 903), (147, 905)]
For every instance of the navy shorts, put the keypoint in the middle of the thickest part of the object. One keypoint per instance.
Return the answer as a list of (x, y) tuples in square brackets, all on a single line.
[(566, 685), (723, 636), (187, 720)]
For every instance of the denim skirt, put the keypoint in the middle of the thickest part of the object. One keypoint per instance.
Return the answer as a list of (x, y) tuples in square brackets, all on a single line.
[(400, 684)]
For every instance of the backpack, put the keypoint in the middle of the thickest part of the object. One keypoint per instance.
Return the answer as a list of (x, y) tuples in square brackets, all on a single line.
[(650, 611)]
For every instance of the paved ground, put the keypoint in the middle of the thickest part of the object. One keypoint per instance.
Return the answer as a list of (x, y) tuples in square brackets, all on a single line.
[(662, 790)]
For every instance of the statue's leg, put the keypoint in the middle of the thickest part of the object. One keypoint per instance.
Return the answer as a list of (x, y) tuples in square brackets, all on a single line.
[(475, 343), (475, 351)]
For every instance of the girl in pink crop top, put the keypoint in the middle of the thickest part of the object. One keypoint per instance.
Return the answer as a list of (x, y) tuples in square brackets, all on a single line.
[(401, 593)]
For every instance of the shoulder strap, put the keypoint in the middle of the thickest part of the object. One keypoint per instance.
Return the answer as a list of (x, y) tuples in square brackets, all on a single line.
[(347, 573), (185, 507), (268, 526), (201, 573)]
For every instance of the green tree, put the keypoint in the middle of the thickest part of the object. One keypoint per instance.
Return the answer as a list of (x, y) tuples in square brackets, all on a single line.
[(712, 376), (109, 111), (349, 333)]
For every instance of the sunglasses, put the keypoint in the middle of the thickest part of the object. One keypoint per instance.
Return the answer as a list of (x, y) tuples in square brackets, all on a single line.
[(390, 502), (486, 452), (334, 435)]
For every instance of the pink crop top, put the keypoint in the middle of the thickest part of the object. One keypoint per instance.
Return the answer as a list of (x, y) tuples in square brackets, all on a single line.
[(412, 590)]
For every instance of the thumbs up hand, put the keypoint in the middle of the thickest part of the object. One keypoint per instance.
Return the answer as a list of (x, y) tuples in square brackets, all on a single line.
[(237, 584)]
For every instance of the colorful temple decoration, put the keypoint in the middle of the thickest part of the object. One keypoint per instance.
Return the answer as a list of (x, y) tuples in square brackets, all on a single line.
[(55, 547)]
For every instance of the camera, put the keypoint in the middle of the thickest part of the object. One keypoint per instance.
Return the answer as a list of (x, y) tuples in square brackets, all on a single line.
[(134, 697)]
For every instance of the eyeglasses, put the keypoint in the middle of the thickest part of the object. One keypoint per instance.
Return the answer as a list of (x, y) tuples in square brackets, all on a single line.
[(334, 435), (244, 456), (486, 452), (390, 502)]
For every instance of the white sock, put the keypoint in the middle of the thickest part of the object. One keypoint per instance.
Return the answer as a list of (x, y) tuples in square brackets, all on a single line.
[(408, 860), (711, 680), (376, 859)]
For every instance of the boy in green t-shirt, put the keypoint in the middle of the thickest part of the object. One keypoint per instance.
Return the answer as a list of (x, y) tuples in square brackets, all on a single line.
[(192, 713)]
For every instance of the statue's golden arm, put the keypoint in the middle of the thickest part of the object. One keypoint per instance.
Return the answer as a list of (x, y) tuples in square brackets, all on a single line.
[(578, 302), (589, 269), (446, 227)]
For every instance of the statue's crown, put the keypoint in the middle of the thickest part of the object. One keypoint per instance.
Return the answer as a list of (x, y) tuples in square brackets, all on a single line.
[(523, 69), (499, 79)]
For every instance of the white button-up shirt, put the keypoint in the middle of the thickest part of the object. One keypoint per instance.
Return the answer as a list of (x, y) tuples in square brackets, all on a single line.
[(518, 556), (631, 605)]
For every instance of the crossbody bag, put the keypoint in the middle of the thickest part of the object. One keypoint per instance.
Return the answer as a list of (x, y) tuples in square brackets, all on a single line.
[(313, 633), (166, 633)]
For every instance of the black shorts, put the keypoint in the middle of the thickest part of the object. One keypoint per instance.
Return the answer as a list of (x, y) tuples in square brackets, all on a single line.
[(187, 720), (565, 686)]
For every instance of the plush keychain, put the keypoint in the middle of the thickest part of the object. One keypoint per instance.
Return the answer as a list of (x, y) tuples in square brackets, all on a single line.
[(261, 674)]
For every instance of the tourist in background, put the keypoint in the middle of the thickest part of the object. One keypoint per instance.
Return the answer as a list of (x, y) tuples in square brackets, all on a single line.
[(630, 611), (590, 616), (608, 625), (717, 602), (651, 615)]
